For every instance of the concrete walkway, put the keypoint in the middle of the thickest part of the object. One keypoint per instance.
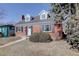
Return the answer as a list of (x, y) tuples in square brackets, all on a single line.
[(17, 41)]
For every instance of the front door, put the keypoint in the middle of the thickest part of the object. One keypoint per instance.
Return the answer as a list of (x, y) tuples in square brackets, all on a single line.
[(29, 30)]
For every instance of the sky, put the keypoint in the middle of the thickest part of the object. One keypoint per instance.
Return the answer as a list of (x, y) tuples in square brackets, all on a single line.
[(11, 12)]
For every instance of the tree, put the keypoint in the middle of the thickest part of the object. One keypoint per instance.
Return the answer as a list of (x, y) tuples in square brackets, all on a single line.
[(63, 8), (67, 11)]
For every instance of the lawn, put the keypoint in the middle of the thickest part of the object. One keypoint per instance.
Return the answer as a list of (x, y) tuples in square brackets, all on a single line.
[(6, 40), (27, 48)]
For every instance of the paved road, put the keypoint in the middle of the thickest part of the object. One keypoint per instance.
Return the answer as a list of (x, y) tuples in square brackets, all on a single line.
[(26, 48)]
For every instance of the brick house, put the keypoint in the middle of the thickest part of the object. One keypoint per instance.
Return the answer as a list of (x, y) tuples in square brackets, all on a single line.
[(44, 22)]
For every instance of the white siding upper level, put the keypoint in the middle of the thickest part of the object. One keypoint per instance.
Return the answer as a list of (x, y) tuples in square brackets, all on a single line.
[(27, 17), (43, 15)]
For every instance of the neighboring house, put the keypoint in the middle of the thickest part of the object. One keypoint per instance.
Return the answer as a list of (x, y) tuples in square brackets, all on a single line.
[(7, 30), (44, 22)]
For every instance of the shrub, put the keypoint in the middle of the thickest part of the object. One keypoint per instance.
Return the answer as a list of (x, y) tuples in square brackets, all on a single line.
[(74, 42), (40, 37)]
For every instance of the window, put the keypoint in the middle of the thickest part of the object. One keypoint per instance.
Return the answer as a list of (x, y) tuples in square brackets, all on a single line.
[(43, 16), (27, 18), (46, 28), (20, 29)]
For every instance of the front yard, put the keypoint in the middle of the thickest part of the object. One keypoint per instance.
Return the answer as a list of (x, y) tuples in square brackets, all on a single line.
[(6, 40), (27, 48)]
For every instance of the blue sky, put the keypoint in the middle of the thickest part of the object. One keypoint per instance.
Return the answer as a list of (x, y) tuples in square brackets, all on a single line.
[(14, 11)]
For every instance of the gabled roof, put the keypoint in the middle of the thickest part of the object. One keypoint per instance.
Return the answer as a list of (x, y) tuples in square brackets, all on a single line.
[(37, 19), (43, 11)]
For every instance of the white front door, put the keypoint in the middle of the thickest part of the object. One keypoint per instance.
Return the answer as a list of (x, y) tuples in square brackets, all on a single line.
[(29, 30)]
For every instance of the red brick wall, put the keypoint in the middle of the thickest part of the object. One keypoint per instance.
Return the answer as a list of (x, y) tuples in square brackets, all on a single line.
[(20, 34), (36, 28)]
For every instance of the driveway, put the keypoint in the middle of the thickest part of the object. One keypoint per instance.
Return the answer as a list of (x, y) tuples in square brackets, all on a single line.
[(27, 48)]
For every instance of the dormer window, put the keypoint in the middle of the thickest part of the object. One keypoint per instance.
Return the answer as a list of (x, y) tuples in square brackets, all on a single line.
[(43, 15), (27, 18)]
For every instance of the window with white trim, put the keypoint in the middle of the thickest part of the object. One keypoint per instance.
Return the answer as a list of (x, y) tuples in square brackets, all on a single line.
[(43, 16), (19, 29), (27, 18), (46, 28)]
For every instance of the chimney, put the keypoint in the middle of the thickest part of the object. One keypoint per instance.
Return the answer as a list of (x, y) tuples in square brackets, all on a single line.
[(23, 18)]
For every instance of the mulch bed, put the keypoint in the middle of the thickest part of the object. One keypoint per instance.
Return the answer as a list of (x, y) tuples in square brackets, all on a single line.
[(6, 40)]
